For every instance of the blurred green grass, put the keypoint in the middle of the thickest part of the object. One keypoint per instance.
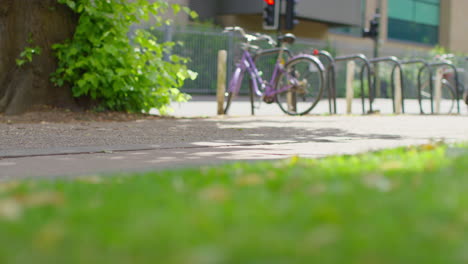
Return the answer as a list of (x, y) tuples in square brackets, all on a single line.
[(406, 205)]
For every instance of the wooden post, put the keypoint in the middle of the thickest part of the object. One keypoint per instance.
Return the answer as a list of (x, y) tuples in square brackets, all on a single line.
[(291, 101), (221, 84), (398, 95), (438, 90), (349, 85)]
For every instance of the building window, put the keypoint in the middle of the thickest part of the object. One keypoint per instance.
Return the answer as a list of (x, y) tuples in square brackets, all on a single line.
[(353, 31), (414, 20)]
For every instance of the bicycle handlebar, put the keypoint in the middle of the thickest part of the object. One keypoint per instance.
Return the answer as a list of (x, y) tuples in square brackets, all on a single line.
[(239, 29), (250, 37), (269, 39)]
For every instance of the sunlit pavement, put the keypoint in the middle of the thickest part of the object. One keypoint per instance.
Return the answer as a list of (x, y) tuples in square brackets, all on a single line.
[(207, 106), (187, 142)]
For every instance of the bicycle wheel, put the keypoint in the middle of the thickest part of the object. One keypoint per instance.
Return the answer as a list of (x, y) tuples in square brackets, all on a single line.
[(447, 102), (233, 89), (304, 76)]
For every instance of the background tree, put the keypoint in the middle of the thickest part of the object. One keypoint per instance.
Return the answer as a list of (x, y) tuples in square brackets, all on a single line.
[(32, 23)]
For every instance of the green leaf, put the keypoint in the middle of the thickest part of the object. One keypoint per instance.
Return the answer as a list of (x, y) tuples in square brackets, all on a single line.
[(193, 14), (192, 75), (20, 62), (176, 8), (186, 9), (71, 4)]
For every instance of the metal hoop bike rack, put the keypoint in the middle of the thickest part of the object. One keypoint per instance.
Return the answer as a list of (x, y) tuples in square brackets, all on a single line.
[(409, 62), (425, 65), (397, 64), (330, 81), (366, 65), (430, 67)]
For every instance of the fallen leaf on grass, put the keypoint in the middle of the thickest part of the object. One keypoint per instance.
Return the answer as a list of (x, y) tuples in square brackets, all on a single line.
[(431, 165), (41, 199), (378, 182), (249, 180), (392, 165), (91, 179), (216, 193), (293, 160), (49, 236), (321, 236), (317, 189), (8, 186), (289, 162), (10, 209), (427, 147)]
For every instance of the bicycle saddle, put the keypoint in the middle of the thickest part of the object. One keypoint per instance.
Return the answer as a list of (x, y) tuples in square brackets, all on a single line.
[(287, 38)]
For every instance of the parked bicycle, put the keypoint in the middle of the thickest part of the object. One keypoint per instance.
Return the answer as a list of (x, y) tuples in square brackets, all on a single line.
[(448, 94), (296, 84)]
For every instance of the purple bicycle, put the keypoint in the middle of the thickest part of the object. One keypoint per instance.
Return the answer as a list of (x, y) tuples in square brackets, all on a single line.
[(296, 84)]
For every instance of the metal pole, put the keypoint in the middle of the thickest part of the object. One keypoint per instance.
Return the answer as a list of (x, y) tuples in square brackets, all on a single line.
[(376, 52), (221, 82), (278, 33)]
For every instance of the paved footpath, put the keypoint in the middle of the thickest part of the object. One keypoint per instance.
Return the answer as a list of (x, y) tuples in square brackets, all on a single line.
[(31, 150)]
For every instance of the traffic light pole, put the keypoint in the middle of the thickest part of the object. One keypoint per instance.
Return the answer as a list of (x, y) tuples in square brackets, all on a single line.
[(376, 55), (271, 14), (377, 85), (278, 31), (273, 19)]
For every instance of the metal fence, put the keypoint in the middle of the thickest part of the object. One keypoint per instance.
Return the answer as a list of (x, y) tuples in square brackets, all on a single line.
[(201, 46)]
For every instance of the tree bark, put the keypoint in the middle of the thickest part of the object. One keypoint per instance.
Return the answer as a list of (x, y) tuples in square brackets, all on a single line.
[(45, 22)]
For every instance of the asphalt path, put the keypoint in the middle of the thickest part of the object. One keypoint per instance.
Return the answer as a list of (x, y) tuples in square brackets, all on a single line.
[(53, 150)]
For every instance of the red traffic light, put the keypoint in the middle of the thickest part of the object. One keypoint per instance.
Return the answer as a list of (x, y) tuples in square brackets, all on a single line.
[(269, 2)]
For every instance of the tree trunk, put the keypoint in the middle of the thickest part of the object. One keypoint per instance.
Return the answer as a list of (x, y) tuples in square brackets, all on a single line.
[(44, 22)]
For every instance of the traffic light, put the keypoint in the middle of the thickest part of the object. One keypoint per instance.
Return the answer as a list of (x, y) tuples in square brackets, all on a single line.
[(271, 13), (291, 20), (373, 31)]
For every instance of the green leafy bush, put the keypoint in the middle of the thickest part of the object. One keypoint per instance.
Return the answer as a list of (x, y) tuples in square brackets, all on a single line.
[(120, 69)]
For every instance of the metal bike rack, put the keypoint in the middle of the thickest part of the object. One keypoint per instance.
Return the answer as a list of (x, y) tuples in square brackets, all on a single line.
[(416, 61), (366, 65), (398, 64), (330, 80), (257, 55), (425, 65), (431, 66)]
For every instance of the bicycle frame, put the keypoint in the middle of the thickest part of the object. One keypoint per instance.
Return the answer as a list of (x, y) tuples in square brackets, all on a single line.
[(247, 64)]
